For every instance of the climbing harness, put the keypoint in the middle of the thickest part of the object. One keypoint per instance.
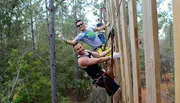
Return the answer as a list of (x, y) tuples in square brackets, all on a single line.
[(103, 80), (95, 81)]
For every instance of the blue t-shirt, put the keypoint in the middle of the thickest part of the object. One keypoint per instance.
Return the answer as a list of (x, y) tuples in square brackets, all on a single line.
[(89, 37)]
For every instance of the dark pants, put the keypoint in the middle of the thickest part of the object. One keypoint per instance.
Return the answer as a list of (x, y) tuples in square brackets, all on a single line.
[(103, 80)]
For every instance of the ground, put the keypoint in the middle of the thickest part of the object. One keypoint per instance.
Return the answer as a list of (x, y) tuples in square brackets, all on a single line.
[(164, 98)]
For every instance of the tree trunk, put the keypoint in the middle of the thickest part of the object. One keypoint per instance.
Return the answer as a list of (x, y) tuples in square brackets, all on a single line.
[(52, 51), (75, 55), (32, 29)]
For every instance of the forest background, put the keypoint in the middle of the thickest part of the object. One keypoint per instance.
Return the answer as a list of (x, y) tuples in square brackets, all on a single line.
[(24, 49)]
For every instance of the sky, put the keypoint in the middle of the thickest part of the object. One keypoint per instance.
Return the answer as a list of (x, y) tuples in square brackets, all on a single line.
[(92, 19)]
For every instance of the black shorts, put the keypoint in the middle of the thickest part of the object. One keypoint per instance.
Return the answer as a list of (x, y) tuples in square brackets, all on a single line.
[(103, 80)]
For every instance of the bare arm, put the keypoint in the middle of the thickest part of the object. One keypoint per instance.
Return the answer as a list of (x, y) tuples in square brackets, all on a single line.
[(102, 27), (101, 54), (85, 61), (71, 42)]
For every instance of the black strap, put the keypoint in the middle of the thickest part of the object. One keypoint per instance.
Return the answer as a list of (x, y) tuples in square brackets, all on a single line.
[(89, 55)]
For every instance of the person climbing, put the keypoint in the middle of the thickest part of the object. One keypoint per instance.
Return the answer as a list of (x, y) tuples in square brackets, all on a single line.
[(88, 36), (101, 33), (89, 60)]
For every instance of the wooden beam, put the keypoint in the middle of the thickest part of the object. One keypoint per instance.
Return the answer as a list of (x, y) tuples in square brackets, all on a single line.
[(151, 51), (108, 13), (134, 51), (115, 65), (121, 70), (176, 27), (126, 52)]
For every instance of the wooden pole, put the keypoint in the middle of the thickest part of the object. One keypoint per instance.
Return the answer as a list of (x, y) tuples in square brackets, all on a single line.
[(176, 27), (126, 52), (109, 19), (151, 45), (121, 71), (116, 66), (134, 51)]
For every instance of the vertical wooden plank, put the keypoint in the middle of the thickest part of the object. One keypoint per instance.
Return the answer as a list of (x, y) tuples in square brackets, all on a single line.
[(116, 65), (107, 29), (126, 53), (104, 11), (110, 11), (116, 68), (151, 46), (176, 27), (134, 51), (108, 15), (120, 44)]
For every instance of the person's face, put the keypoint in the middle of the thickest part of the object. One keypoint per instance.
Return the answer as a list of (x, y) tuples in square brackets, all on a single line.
[(80, 26), (79, 49)]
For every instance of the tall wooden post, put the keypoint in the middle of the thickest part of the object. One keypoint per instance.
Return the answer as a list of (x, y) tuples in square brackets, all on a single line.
[(176, 26), (109, 19), (134, 51), (151, 46), (120, 71), (126, 52), (115, 40)]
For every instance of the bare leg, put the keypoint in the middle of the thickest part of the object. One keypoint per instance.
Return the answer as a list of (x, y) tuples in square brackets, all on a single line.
[(117, 96)]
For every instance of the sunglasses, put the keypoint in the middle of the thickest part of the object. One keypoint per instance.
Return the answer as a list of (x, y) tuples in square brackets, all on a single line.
[(80, 24)]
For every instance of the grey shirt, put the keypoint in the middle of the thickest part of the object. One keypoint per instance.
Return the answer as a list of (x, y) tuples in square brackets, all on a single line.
[(89, 37)]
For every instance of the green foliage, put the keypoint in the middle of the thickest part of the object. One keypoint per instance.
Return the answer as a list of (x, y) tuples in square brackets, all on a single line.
[(141, 58), (83, 86), (25, 74), (63, 100), (171, 94), (25, 78)]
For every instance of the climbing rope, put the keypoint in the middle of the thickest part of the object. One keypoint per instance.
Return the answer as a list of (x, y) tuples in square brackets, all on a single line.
[(111, 35), (112, 27)]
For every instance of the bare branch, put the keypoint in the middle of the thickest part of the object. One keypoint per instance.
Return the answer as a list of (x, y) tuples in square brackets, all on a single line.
[(16, 78), (47, 8), (59, 4), (25, 5)]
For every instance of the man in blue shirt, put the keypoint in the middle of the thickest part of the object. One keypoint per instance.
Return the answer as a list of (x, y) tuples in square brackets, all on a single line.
[(86, 35)]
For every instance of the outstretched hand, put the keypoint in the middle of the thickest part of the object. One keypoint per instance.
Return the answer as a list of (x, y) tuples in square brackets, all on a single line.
[(61, 37)]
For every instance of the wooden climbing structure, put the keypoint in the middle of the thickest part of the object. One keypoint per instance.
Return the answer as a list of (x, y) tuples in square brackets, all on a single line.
[(129, 75)]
